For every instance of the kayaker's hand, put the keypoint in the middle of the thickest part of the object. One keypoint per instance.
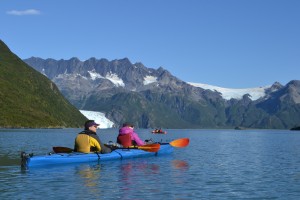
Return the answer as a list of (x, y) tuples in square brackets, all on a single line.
[(149, 141), (113, 148)]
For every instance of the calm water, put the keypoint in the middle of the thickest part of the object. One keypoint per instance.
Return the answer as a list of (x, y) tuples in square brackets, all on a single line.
[(218, 164)]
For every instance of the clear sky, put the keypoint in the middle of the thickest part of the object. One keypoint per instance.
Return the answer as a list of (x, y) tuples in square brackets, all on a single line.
[(227, 43)]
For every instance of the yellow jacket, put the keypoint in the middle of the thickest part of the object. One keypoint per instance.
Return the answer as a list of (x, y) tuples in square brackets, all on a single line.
[(86, 144)]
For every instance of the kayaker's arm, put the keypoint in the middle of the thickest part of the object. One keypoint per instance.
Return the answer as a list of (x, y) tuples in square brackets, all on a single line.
[(98, 145), (137, 139), (105, 149), (94, 144)]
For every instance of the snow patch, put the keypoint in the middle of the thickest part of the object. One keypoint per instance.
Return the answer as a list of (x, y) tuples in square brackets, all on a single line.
[(70, 76), (94, 75), (43, 72), (115, 79), (149, 79), (79, 75), (229, 93), (99, 118)]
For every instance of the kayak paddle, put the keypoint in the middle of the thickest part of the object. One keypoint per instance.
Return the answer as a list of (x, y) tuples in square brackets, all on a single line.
[(182, 142), (147, 147), (62, 150)]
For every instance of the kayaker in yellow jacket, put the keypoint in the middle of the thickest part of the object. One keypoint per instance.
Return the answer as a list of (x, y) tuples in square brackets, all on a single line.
[(88, 141)]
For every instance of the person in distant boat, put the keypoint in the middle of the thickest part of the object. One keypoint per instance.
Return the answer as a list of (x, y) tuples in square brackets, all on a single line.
[(127, 137), (158, 131), (88, 141)]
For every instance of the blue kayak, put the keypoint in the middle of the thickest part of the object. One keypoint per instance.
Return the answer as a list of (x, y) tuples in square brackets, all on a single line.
[(29, 160)]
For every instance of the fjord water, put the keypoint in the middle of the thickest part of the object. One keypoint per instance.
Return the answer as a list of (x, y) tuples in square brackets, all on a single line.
[(218, 164)]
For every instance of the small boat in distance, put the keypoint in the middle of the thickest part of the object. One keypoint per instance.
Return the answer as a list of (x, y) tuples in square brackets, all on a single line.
[(158, 131)]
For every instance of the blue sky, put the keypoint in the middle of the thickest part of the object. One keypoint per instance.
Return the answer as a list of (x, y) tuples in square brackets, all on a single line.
[(227, 43)]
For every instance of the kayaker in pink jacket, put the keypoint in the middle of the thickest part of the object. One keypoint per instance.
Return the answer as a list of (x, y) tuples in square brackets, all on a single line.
[(127, 136)]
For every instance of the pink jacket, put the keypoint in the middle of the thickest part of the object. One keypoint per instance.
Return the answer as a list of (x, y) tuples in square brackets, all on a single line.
[(134, 135)]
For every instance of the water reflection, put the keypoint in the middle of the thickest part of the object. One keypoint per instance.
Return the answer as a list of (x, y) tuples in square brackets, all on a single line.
[(130, 169), (89, 174), (6, 160), (126, 178), (180, 164)]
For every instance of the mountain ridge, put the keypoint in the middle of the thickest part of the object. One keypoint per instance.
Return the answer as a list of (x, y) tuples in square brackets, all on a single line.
[(126, 91)]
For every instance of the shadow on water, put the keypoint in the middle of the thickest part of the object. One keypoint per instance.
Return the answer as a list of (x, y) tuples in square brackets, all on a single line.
[(6, 160)]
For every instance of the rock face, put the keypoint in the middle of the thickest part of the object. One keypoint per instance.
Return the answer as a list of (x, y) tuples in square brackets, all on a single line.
[(295, 128), (155, 98)]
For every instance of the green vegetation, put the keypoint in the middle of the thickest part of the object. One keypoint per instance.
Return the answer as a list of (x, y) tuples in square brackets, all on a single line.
[(29, 99), (153, 108)]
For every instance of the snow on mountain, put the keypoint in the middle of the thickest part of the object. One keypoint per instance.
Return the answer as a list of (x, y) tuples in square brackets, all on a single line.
[(94, 75), (149, 80), (229, 93), (98, 117), (115, 79)]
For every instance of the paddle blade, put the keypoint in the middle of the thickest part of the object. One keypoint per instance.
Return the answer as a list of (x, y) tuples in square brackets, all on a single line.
[(183, 142), (62, 150), (150, 147)]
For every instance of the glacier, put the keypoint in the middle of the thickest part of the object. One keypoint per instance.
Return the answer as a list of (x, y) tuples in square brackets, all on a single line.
[(99, 118), (231, 93)]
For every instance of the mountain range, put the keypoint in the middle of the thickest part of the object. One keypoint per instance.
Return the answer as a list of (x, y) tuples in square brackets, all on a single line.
[(30, 100), (155, 98)]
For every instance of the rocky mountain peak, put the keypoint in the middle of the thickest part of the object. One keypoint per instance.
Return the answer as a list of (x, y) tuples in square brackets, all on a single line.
[(154, 97)]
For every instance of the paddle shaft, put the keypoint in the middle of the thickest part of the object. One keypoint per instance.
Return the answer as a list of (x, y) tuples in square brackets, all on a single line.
[(180, 143)]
